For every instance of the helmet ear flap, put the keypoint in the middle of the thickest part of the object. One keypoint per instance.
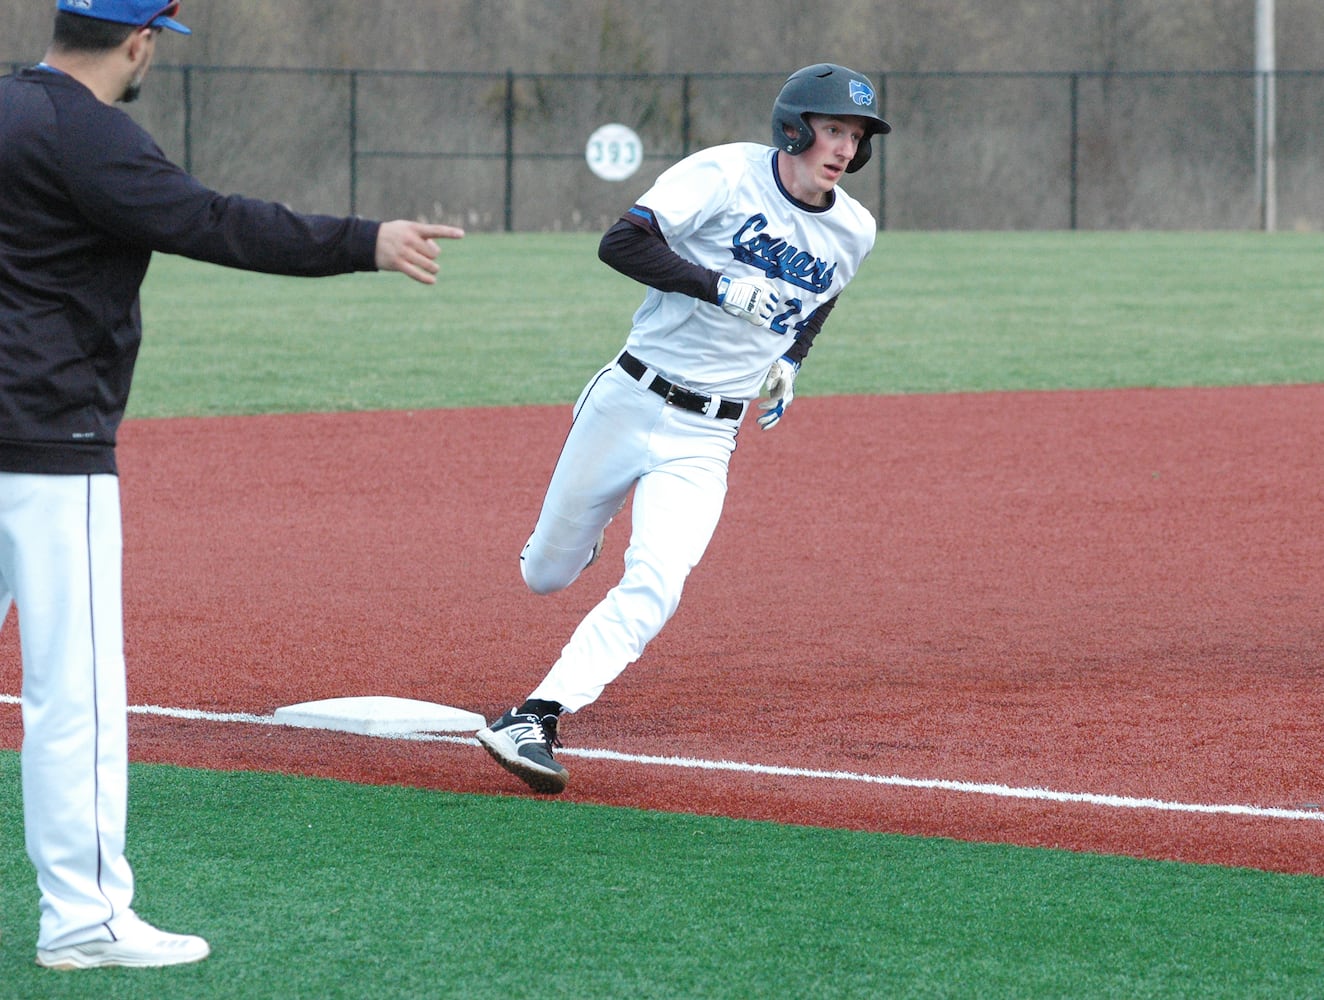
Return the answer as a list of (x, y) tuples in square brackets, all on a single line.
[(801, 140)]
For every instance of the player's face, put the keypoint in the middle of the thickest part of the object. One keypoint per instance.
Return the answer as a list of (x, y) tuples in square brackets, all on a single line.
[(816, 171)]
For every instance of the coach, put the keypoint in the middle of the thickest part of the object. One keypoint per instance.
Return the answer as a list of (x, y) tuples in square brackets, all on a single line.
[(86, 196)]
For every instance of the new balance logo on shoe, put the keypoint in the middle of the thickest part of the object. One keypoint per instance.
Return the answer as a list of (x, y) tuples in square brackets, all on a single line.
[(522, 744)]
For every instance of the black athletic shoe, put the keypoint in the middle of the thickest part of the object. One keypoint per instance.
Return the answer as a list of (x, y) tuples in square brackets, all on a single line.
[(522, 744)]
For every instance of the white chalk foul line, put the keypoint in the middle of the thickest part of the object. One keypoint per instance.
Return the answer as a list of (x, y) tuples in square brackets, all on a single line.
[(966, 787), (894, 780)]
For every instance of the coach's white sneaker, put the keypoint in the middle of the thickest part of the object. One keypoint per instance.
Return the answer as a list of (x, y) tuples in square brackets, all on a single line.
[(139, 945)]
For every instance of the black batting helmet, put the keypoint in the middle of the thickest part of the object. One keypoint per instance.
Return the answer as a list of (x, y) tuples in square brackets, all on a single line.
[(825, 89)]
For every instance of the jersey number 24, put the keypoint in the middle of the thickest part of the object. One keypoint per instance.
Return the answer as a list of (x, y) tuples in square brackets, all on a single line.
[(780, 322)]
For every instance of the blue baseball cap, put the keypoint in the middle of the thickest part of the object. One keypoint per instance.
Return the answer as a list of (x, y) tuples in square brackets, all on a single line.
[(139, 13)]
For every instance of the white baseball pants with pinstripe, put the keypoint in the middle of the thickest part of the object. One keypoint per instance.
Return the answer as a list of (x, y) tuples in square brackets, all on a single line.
[(60, 563)]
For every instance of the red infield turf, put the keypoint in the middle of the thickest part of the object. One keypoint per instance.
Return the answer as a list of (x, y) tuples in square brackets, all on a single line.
[(1111, 593)]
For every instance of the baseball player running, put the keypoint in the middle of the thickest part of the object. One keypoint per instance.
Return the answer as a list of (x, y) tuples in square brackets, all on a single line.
[(745, 250), (86, 196)]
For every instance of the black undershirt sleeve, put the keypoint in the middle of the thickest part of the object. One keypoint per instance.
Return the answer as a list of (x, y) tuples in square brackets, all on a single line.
[(804, 339), (635, 248)]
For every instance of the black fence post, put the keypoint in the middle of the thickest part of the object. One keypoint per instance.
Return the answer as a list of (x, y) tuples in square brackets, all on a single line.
[(685, 125), (188, 118), (1074, 179), (510, 150), (353, 142), (882, 153)]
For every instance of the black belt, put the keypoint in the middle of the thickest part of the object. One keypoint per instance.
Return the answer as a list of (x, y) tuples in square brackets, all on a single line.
[(678, 395)]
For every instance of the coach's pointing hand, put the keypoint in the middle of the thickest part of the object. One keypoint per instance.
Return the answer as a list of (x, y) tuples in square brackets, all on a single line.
[(407, 247)]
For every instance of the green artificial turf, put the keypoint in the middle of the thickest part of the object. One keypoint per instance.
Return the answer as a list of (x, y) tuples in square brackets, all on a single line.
[(315, 888)]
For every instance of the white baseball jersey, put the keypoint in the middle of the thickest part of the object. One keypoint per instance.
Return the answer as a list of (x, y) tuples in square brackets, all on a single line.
[(724, 208)]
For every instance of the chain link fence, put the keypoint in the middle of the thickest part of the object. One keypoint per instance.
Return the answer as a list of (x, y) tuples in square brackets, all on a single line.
[(506, 151)]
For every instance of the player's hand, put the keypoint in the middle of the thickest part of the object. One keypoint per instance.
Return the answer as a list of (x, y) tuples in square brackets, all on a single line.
[(751, 299), (780, 387), (408, 247)]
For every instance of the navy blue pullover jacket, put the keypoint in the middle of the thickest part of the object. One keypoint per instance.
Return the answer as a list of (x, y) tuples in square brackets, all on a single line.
[(86, 196)]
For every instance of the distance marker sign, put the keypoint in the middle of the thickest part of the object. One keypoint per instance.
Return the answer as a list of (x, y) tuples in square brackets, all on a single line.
[(614, 152)]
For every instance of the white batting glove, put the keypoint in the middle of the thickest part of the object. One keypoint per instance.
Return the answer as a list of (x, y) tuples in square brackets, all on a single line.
[(751, 299), (780, 387)]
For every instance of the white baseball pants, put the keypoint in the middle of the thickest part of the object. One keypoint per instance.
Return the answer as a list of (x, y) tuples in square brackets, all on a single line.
[(624, 437), (60, 563)]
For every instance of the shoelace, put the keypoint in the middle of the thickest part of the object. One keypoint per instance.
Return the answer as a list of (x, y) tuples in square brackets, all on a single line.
[(543, 730), (548, 725)]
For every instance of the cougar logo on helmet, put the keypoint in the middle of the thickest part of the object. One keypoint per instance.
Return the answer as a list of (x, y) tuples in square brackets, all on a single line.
[(861, 93)]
